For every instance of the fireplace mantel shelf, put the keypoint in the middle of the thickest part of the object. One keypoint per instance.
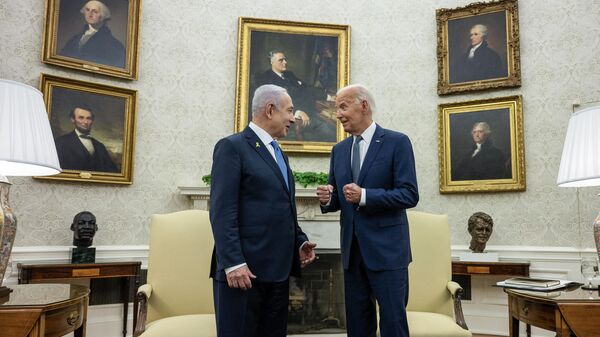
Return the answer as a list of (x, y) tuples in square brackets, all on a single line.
[(306, 202)]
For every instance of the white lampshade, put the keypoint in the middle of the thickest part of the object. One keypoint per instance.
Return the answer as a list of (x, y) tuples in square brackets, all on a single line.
[(26, 144), (580, 161)]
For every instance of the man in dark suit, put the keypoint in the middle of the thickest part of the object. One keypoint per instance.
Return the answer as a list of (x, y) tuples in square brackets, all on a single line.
[(483, 160), (78, 150), (95, 42), (479, 62), (310, 127), (258, 243), (372, 180)]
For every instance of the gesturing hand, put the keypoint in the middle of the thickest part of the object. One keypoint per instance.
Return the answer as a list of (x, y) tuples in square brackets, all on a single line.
[(352, 193), (240, 278), (324, 193), (307, 254)]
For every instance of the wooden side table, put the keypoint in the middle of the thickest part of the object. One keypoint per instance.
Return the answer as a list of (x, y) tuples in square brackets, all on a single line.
[(573, 311), (490, 268), (39, 310), (128, 272)]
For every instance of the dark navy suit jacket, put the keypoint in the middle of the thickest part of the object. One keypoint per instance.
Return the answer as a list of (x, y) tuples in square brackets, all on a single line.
[(389, 177), (252, 213)]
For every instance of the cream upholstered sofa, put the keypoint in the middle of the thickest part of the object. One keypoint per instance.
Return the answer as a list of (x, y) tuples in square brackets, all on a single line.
[(434, 308), (177, 301)]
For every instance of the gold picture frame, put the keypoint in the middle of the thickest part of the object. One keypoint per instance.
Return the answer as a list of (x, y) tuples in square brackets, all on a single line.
[(318, 57), (112, 50), (497, 164), (478, 47), (94, 129)]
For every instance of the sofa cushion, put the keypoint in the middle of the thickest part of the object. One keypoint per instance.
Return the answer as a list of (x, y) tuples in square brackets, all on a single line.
[(182, 326), (428, 324)]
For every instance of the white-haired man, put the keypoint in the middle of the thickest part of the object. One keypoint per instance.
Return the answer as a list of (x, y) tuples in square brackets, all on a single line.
[(258, 243), (372, 181), (483, 160), (95, 42), (479, 62)]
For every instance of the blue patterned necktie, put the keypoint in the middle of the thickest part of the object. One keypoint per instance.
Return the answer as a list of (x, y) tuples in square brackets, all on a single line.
[(355, 164), (281, 163)]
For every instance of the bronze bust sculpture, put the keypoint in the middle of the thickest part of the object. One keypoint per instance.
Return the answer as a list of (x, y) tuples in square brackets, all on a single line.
[(84, 227), (480, 227)]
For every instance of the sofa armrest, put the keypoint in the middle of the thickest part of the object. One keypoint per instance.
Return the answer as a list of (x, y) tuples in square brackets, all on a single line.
[(143, 294), (457, 291)]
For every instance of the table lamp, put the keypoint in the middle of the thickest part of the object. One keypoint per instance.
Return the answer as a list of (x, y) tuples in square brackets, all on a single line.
[(26, 149), (580, 161)]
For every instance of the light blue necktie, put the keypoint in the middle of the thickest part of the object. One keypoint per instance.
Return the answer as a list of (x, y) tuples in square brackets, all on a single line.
[(281, 162), (355, 164)]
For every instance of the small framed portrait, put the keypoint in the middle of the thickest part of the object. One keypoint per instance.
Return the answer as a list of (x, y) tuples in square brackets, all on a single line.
[(481, 146), (101, 37), (310, 60), (93, 127), (478, 47)]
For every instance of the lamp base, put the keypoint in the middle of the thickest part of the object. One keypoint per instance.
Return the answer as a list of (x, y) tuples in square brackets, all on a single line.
[(597, 234), (8, 227)]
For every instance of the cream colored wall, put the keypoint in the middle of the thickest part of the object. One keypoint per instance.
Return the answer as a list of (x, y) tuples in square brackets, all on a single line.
[(187, 82)]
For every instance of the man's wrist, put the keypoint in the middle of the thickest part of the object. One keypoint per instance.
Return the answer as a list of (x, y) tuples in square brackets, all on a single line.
[(230, 269)]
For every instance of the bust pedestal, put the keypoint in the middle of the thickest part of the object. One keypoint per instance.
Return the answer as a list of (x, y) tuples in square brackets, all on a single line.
[(83, 255), (478, 257)]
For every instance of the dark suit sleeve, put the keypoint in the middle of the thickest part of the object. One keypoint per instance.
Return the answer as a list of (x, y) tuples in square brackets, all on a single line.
[(224, 208), (404, 193), (334, 204)]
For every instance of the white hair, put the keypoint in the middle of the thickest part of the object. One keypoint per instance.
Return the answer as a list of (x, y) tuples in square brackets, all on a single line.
[(265, 94), (482, 28), (104, 11), (485, 126), (362, 94), (272, 54)]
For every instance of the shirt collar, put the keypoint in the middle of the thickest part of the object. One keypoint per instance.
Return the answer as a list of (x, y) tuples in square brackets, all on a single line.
[(369, 132), (263, 135), (477, 46), (79, 133)]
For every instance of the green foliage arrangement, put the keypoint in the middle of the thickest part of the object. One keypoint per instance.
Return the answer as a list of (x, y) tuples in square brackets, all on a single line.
[(306, 179), (303, 179)]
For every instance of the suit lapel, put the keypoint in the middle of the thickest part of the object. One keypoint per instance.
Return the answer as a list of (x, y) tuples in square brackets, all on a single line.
[(346, 151), (374, 148), (262, 151)]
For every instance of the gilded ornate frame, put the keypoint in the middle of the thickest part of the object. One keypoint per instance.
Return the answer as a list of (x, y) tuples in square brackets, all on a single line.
[(461, 116), (246, 26), (467, 13), (94, 95), (50, 49)]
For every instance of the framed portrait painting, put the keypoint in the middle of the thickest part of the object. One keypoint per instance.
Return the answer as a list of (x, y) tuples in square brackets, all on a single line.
[(93, 127), (478, 47), (481, 146), (310, 60), (96, 36)]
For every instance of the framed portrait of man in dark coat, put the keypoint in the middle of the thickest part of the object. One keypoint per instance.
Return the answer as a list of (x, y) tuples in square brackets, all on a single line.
[(98, 36), (309, 60), (478, 47), (481, 146), (93, 129)]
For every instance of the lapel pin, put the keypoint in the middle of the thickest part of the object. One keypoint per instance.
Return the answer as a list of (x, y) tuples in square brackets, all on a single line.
[(257, 144), (377, 141)]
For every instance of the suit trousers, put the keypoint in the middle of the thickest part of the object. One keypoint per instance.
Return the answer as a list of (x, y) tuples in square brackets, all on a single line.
[(260, 311), (364, 287)]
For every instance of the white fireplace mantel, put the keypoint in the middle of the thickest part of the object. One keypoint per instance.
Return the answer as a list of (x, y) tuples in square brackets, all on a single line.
[(320, 228), (306, 202)]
